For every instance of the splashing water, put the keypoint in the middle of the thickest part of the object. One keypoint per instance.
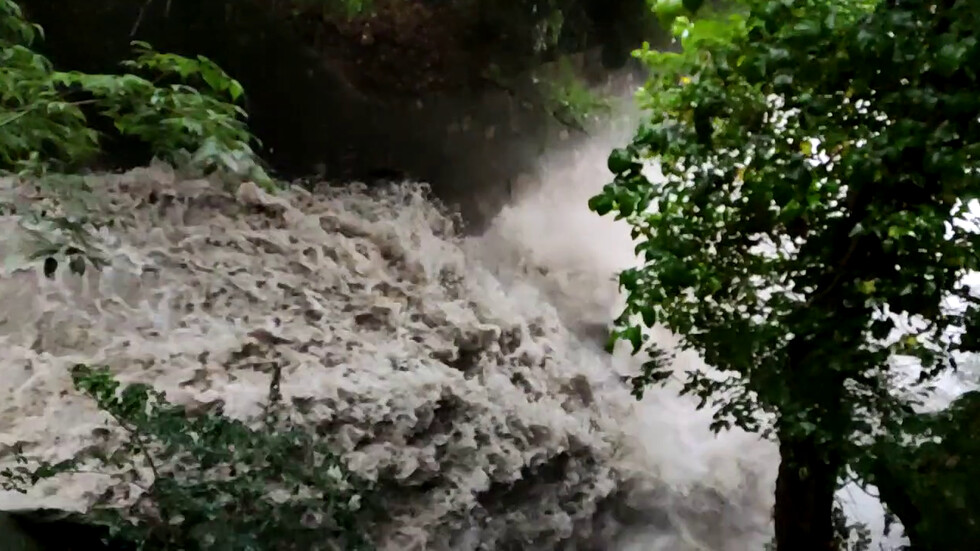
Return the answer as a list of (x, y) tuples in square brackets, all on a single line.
[(681, 486), (464, 373)]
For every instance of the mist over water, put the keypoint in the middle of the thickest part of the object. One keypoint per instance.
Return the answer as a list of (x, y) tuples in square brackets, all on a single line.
[(681, 486), (465, 374)]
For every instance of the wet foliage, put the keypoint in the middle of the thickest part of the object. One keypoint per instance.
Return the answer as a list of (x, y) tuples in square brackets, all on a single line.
[(206, 481), (190, 481), (803, 238)]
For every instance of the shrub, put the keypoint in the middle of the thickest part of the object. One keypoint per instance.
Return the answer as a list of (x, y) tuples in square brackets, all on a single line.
[(186, 115), (213, 482)]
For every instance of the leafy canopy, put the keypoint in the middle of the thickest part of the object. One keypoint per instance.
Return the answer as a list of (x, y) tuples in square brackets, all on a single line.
[(815, 156)]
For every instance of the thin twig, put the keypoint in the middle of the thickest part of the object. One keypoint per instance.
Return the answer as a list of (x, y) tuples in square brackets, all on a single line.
[(139, 442), (24, 112), (14, 117), (111, 475), (272, 417), (139, 17)]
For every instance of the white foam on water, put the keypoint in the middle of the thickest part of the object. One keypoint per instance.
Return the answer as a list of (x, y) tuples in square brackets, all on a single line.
[(460, 371)]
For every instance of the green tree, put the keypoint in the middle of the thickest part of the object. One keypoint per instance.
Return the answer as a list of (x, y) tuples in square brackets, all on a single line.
[(815, 156)]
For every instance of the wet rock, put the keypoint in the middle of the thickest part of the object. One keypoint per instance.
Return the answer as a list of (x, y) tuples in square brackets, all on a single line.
[(51, 530)]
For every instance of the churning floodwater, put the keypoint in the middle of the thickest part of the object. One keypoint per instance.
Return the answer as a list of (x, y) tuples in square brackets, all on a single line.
[(463, 371)]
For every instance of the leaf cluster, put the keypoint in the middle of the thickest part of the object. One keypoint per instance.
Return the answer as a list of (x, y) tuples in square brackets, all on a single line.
[(194, 119), (184, 109), (214, 483), (928, 475), (816, 159)]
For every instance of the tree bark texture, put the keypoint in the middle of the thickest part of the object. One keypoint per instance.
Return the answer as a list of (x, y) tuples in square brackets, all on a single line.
[(805, 490)]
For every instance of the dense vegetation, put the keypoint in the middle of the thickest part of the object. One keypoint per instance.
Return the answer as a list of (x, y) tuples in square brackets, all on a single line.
[(183, 110), (816, 155), (46, 128), (209, 482), (206, 481)]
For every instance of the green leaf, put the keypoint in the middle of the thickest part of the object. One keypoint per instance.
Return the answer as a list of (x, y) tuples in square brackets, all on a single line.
[(620, 161), (649, 316), (634, 336), (668, 10), (601, 204)]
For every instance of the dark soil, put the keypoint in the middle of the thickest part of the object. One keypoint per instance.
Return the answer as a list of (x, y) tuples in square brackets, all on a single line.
[(403, 48)]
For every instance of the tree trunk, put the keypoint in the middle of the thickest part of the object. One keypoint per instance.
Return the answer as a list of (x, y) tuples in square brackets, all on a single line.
[(805, 490), (894, 495)]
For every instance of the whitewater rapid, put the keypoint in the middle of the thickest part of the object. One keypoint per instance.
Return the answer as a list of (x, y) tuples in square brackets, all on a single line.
[(463, 372)]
